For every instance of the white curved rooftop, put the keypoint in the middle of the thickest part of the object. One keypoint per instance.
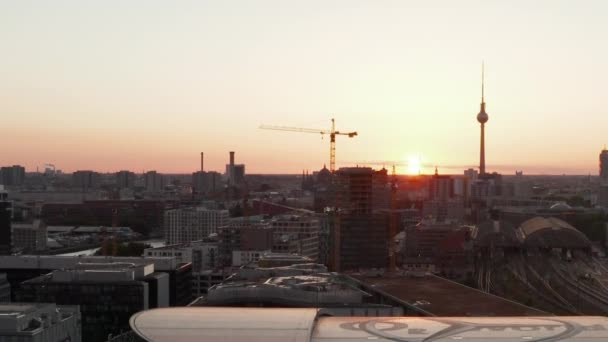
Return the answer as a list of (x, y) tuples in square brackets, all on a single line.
[(203, 324)]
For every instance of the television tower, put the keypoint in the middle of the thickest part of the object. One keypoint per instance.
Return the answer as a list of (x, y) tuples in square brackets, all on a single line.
[(482, 118)]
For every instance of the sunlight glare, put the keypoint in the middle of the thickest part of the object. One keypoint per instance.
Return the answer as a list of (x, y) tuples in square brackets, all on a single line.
[(413, 165)]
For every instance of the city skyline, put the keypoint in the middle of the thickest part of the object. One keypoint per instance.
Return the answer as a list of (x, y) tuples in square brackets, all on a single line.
[(149, 87)]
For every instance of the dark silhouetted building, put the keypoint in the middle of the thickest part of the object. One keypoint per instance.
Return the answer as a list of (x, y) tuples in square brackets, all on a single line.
[(108, 294), (604, 165), (12, 175), (360, 230), (206, 183), (29, 237), (154, 182), (5, 289), (125, 179), (5, 223), (85, 179)]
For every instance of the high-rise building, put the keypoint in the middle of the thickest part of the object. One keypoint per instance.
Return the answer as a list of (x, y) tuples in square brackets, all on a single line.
[(191, 224), (482, 118), (441, 187), (154, 182), (604, 166), (86, 179), (12, 175), (5, 223), (29, 237), (360, 231), (205, 183), (125, 179), (39, 322), (443, 204), (108, 294)]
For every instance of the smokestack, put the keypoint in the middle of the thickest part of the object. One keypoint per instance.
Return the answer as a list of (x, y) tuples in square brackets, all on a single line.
[(231, 158), (202, 162)]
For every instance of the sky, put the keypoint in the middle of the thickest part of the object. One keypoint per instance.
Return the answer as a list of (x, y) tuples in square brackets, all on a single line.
[(148, 85)]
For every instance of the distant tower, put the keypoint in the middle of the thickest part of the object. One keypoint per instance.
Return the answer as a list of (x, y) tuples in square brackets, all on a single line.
[(604, 166), (482, 117)]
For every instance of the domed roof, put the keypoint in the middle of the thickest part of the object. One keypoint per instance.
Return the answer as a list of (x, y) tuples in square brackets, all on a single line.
[(324, 171), (551, 232)]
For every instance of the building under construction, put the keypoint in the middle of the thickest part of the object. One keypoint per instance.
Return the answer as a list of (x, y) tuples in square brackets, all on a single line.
[(360, 229)]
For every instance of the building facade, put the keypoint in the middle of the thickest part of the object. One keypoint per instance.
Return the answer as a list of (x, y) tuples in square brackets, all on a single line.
[(107, 294), (192, 224), (360, 229), (6, 214), (5, 289), (29, 237), (12, 175), (153, 181), (86, 179), (125, 179), (36, 322)]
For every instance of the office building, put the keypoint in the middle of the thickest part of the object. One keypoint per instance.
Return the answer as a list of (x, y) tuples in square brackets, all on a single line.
[(125, 179), (192, 224), (296, 234), (39, 322), (12, 175), (5, 289), (108, 294), (360, 230), (205, 262), (206, 183), (245, 238), (24, 267), (153, 181), (5, 223), (441, 187), (29, 237), (86, 179), (444, 210)]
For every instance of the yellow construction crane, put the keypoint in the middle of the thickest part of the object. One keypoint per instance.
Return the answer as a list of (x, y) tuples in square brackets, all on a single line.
[(332, 134)]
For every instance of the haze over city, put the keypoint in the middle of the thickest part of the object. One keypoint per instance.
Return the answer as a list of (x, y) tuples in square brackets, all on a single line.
[(148, 85)]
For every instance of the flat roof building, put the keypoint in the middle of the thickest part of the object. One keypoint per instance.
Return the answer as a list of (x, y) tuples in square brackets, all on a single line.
[(29, 237), (23, 267), (38, 322), (108, 294)]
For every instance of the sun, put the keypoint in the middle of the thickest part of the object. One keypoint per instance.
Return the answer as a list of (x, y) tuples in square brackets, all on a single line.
[(413, 165)]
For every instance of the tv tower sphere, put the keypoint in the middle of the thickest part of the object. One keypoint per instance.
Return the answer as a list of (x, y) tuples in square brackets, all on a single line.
[(482, 117)]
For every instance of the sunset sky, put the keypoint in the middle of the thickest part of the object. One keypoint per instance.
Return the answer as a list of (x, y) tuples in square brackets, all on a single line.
[(142, 85)]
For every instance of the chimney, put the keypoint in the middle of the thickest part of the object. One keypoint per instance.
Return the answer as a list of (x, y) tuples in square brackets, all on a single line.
[(231, 158), (202, 162)]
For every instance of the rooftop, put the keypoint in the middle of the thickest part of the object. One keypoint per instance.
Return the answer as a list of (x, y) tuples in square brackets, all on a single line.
[(442, 297), (310, 325)]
